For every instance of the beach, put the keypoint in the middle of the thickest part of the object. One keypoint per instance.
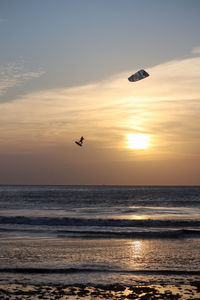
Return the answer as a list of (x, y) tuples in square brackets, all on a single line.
[(115, 291), (96, 242)]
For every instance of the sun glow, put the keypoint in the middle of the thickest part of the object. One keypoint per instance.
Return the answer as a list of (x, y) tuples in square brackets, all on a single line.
[(137, 141)]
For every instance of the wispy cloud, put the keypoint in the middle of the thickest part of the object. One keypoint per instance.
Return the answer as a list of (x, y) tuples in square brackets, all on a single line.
[(15, 74), (196, 50)]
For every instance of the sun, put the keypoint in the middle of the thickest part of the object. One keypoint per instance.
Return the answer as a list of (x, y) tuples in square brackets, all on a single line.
[(137, 141)]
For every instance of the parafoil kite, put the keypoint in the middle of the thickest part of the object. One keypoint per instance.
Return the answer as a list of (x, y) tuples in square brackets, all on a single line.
[(138, 76)]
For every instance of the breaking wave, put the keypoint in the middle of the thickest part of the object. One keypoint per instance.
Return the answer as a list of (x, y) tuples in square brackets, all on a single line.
[(95, 270), (101, 228), (98, 222)]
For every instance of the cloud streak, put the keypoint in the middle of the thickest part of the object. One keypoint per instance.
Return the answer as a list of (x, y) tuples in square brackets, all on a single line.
[(13, 75), (196, 50)]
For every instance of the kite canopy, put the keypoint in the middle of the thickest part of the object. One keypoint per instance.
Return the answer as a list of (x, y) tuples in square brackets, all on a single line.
[(138, 76)]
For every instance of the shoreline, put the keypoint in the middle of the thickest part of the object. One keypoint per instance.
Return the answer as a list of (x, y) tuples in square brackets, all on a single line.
[(109, 291)]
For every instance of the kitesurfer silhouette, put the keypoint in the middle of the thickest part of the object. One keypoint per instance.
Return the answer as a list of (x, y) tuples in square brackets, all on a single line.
[(80, 142)]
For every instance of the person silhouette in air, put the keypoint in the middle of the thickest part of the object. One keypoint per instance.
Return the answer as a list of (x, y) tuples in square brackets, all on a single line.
[(80, 142)]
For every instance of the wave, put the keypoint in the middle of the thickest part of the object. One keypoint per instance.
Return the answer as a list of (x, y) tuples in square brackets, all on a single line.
[(100, 228), (95, 270), (133, 234), (56, 221), (108, 233)]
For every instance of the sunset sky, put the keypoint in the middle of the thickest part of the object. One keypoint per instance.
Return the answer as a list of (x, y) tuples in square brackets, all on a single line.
[(63, 74)]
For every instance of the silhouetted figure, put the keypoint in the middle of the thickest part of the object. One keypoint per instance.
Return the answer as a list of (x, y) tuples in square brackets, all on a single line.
[(80, 142)]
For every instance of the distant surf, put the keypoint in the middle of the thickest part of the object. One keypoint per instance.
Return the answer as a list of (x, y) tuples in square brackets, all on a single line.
[(98, 222), (95, 270), (107, 228)]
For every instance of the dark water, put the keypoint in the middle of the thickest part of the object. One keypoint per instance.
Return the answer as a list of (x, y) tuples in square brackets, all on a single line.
[(99, 234)]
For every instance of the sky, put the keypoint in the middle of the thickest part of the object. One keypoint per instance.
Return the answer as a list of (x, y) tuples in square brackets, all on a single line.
[(63, 74)]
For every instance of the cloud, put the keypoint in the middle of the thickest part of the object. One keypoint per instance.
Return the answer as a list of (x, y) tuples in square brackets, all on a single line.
[(13, 75), (196, 50)]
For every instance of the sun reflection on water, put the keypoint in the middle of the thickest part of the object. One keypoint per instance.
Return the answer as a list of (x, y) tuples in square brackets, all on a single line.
[(137, 217), (137, 253), (137, 247)]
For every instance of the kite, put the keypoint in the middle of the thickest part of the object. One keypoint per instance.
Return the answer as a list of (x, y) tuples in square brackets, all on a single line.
[(138, 76)]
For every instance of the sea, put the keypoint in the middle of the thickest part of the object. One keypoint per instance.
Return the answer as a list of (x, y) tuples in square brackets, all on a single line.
[(99, 234)]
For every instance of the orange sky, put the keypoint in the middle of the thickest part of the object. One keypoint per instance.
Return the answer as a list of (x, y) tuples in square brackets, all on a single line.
[(38, 130)]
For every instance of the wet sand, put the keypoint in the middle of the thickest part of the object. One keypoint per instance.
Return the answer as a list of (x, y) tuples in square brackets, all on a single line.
[(114, 291)]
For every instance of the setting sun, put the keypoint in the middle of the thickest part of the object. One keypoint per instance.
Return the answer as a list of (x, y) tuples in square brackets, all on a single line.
[(137, 141)]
